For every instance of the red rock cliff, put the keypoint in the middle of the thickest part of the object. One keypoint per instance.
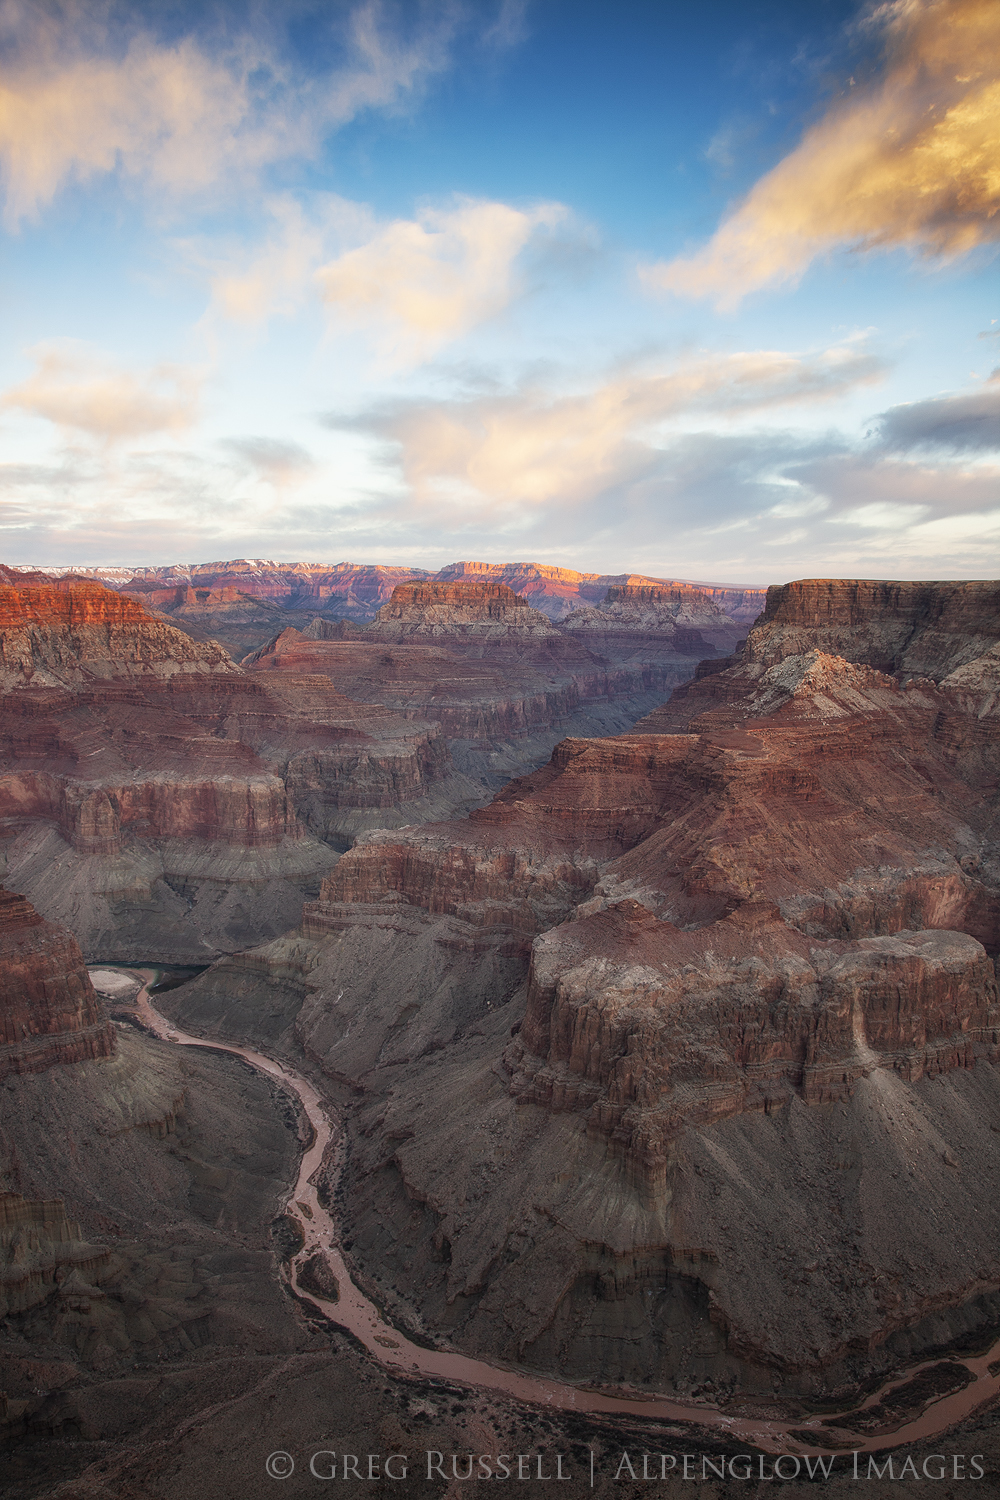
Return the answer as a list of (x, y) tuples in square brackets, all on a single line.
[(49, 1010)]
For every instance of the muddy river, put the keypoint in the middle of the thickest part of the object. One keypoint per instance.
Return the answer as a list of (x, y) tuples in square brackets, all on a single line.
[(391, 1348)]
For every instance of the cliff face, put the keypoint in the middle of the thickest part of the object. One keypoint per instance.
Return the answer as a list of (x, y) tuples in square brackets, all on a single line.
[(634, 613), (674, 983), (49, 1010), (356, 592), (483, 609), (914, 629), (164, 804), (906, 630), (66, 637), (494, 673)]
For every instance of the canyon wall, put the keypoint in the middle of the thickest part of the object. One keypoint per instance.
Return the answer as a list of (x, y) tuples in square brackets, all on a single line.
[(500, 679), (161, 802), (356, 592), (49, 1010)]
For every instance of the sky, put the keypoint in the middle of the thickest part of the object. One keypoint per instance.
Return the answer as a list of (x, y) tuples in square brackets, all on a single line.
[(702, 292)]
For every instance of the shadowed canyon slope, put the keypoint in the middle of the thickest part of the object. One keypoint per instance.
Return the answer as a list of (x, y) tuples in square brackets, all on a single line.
[(500, 678), (49, 1010), (137, 1188), (655, 1055), (145, 1331)]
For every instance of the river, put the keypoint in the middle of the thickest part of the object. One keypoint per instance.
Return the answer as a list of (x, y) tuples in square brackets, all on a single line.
[(391, 1348)]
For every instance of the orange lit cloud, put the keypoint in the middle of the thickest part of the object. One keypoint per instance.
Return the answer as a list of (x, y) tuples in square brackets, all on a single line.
[(77, 392), (423, 282), (910, 160)]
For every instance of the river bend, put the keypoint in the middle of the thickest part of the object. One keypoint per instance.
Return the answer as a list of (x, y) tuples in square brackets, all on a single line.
[(354, 1312)]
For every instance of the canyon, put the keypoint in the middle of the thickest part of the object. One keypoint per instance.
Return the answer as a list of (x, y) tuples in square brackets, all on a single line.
[(646, 948), (709, 1003), (168, 803), (243, 603)]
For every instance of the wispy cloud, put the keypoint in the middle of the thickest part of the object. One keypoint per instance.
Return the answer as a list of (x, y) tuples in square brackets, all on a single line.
[(410, 285), (277, 275), (910, 159), (536, 445), (279, 463), (423, 282), (83, 96), (80, 392), (756, 505)]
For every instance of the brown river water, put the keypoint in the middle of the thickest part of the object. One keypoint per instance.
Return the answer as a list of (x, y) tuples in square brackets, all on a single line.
[(392, 1349)]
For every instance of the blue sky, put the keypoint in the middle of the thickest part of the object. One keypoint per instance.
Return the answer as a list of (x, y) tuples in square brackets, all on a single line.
[(704, 292)]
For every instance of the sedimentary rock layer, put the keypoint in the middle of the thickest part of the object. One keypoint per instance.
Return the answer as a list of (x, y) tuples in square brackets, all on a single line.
[(49, 1010), (492, 671), (356, 592), (172, 793)]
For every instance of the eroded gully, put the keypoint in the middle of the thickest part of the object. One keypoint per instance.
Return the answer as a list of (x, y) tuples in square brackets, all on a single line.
[(354, 1312)]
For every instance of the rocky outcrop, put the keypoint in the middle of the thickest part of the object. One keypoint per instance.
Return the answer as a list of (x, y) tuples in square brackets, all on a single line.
[(631, 615), (356, 592), (490, 610), (495, 674), (42, 1252), (355, 589), (903, 630), (647, 1031), (49, 1010), (69, 637)]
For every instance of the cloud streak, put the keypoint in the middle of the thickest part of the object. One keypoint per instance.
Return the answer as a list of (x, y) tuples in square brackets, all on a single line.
[(963, 424), (912, 159), (82, 98), (534, 447)]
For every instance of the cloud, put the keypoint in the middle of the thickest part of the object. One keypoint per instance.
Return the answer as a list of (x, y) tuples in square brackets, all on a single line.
[(911, 159), (76, 391), (84, 95), (275, 279), (964, 424), (412, 285), (425, 281), (272, 460), (751, 506), (536, 447)]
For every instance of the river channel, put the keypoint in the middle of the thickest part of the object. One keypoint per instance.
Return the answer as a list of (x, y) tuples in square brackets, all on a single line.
[(354, 1312)]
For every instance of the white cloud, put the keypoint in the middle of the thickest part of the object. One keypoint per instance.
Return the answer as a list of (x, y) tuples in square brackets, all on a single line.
[(539, 447), (81, 99), (703, 505), (423, 282), (78, 391)]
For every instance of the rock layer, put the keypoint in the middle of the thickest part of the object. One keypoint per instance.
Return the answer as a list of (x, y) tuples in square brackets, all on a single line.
[(163, 803), (498, 677), (49, 1010)]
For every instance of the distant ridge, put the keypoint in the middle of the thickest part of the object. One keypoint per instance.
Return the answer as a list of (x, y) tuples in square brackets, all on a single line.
[(358, 590)]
